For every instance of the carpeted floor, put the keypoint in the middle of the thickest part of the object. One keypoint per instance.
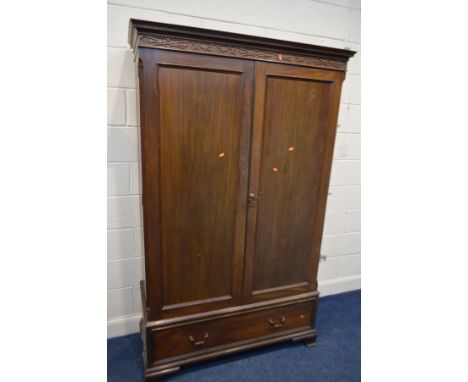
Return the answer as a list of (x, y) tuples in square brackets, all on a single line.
[(335, 358)]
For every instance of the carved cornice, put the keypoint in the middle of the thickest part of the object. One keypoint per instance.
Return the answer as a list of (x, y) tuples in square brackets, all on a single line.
[(195, 40)]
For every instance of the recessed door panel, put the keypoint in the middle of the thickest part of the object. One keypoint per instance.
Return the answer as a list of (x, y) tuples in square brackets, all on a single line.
[(202, 107), (292, 136)]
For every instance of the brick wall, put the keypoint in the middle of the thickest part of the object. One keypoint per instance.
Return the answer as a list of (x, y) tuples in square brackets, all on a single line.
[(333, 23)]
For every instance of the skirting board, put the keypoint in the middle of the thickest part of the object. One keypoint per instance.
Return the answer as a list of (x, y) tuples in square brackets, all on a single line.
[(340, 285), (123, 325)]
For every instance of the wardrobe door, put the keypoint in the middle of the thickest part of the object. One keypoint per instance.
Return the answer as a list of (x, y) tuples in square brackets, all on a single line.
[(294, 127), (196, 117)]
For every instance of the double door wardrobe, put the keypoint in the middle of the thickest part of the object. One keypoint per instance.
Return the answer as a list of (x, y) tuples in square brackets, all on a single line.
[(237, 136)]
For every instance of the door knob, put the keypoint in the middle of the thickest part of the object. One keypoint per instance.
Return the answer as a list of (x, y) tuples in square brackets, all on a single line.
[(252, 200)]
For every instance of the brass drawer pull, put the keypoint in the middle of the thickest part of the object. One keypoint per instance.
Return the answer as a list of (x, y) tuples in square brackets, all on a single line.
[(277, 324), (198, 343)]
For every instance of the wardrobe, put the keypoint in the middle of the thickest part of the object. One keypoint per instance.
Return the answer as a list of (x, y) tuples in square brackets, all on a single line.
[(237, 136)]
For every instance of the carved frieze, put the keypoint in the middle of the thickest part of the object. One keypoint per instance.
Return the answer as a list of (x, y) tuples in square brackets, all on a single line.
[(222, 49)]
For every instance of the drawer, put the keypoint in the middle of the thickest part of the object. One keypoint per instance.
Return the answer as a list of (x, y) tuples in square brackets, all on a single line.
[(203, 335)]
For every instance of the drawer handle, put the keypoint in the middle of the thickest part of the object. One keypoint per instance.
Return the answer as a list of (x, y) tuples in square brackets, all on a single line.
[(277, 324), (198, 343)]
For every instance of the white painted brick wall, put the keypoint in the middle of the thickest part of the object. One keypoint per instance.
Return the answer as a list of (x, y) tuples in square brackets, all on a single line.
[(346, 172), (341, 244), (132, 112), (334, 223), (338, 267), (353, 221), (115, 106), (333, 23), (353, 124), (342, 198), (120, 68), (122, 144), (124, 272), (120, 302), (139, 243), (124, 212), (135, 178), (347, 146), (121, 244), (118, 178)]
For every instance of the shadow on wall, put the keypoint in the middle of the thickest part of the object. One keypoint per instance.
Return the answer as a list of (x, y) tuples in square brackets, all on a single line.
[(124, 208)]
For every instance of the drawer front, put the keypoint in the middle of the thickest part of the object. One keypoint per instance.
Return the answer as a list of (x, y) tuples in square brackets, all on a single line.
[(204, 335)]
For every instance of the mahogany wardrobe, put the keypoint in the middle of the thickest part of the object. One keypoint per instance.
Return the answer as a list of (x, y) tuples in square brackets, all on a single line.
[(237, 136)]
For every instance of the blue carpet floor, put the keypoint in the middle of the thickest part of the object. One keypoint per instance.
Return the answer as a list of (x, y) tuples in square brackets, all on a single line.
[(335, 358)]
